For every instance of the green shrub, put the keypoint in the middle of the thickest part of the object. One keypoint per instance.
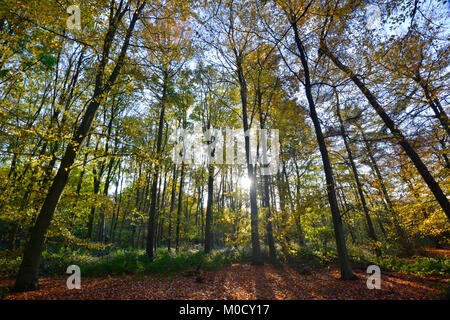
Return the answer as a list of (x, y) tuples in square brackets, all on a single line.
[(9, 266), (307, 256), (56, 262), (120, 261), (165, 262), (115, 263), (419, 265)]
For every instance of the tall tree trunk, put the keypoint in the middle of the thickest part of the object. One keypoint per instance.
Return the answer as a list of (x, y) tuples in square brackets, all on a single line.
[(97, 176), (209, 205), (160, 210), (91, 217), (344, 261), (117, 202), (153, 192), (180, 203), (266, 196), (256, 249), (172, 206), (101, 226)]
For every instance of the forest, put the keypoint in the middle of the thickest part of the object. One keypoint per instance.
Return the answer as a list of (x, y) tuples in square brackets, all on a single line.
[(224, 149)]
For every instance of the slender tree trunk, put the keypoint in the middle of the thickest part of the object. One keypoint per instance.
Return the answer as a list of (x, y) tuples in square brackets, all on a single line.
[(160, 210), (180, 204), (209, 209), (97, 175), (117, 202), (266, 196), (153, 192), (172, 206), (101, 226), (344, 261), (12, 236), (256, 249)]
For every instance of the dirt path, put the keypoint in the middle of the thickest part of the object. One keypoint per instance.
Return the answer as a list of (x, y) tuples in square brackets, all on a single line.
[(434, 252), (240, 281)]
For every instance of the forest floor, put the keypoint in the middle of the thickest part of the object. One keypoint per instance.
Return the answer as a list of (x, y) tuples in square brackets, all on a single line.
[(242, 281)]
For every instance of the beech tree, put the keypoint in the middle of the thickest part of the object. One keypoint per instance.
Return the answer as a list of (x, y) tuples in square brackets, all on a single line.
[(27, 277)]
